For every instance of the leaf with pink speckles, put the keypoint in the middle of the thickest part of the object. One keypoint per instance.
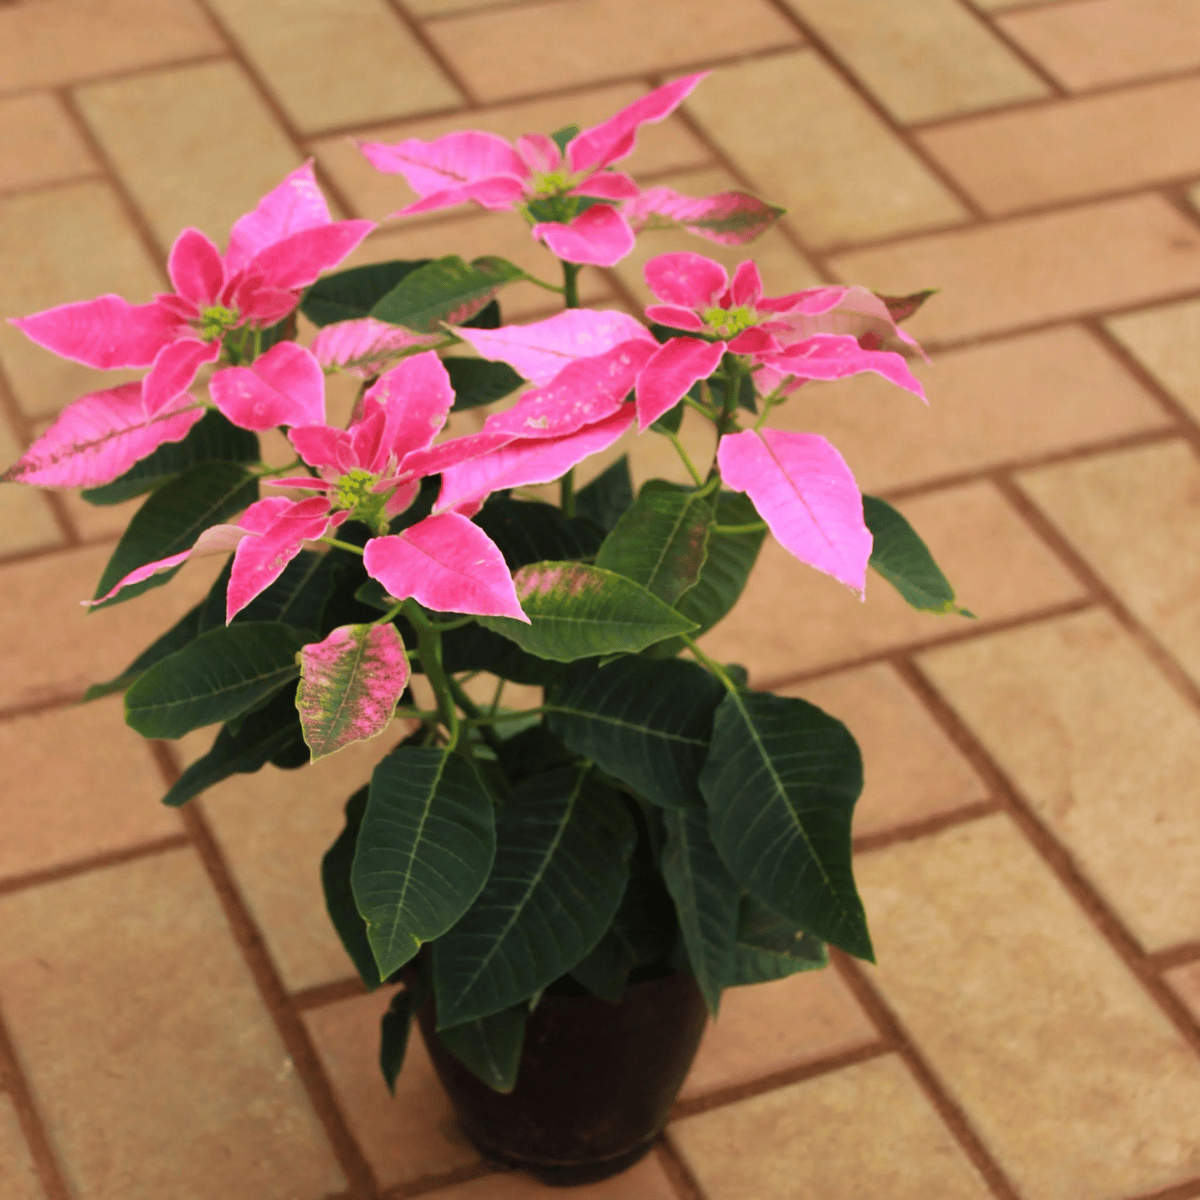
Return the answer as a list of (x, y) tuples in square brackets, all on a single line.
[(349, 686)]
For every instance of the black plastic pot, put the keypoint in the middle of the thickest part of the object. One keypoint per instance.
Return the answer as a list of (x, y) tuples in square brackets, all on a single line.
[(596, 1082)]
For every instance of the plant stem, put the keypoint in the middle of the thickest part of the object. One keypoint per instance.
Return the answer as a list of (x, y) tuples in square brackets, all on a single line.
[(715, 667), (429, 645), (570, 287), (697, 478), (495, 704), (566, 493), (338, 545), (752, 527), (517, 714), (474, 713), (550, 287)]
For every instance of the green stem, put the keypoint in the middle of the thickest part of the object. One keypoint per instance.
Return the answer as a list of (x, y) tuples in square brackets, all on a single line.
[(566, 493), (570, 287), (714, 667), (429, 645), (516, 715), (550, 287), (425, 716), (474, 713), (389, 616), (752, 527), (697, 478), (297, 464), (495, 704), (339, 545)]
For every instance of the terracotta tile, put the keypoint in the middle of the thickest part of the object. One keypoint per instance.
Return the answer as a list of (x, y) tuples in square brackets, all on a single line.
[(1185, 982), (998, 567), (404, 1137), (839, 1133), (225, 1113), (188, 163), (1072, 149), (274, 827), (1031, 269), (1132, 515), (1104, 41), (913, 770), (898, 52), (344, 63), (841, 173), (52, 762), (17, 1172), (64, 244), (566, 45), (1166, 341), (774, 1026), (70, 648), (95, 521), (38, 143), (445, 8), (46, 44), (1066, 1068), (26, 520), (645, 1181), (666, 146)]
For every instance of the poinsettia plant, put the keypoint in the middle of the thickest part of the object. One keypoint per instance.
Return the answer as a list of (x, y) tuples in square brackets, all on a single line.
[(653, 813)]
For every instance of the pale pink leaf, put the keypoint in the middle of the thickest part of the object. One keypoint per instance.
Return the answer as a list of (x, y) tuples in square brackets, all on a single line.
[(686, 279), (416, 398), (261, 558), (539, 153), (323, 446), (293, 205), (853, 311), (350, 685), (675, 366), (728, 218), (600, 236), (195, 268), (363, 347), (832, 356), (746, 286), (106, 333), (284, 387), (804, 491), (449, 453), (297, 260), (174, 370)]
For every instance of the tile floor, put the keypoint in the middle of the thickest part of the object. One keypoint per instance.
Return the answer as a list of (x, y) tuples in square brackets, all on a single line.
[(176, 1016)]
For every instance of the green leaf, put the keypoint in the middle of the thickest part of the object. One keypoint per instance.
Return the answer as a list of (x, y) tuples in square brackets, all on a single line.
[(270, 732), (781, 781), (528, 532), (562, 861), (212, 437), (447, 290), (179, 635), (171, 520), (222, 673), (476, 381), (424, 851), (903, 559), (473, 648), (706, 899), (901, 308), (396, 1026), (646, 722), (351, 294), (607, 496), (769, 947), (581, 611), (670, 421), (490, 1047), (660, 542), (560, 137)]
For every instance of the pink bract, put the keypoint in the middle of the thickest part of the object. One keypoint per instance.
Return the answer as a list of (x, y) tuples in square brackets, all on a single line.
[(283, 387)]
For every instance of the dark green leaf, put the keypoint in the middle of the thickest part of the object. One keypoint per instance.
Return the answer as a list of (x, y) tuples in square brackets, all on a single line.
[(473, 648), (781, 781), (562, 861), (528, 532), (670, 421), (769, 947), (607, 496), (339, 895), (476, 381), (424, 851), (281, 331), (533, 751), (643, 721), (179, 635), (222, 673), (560, 137), (446, 290), (903, 559), (490, 1047), (394, 1030), (351, 294)]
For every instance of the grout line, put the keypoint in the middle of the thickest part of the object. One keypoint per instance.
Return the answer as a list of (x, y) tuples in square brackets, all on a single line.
[(421, 35), (469, 9), (679, 1175), (1057, 88), (321, 994), (1178, 1191), (913, 830), (50, 185), (1019, 6), (118, 76), (1175, 957), (94, 862), (435, 1183)]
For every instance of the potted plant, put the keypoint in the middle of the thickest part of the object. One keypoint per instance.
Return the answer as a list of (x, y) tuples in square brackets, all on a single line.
[(564, 891)]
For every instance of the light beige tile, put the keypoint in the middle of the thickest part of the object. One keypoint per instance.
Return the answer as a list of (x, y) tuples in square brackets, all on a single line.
[(900, 50), (837, 168), (64, 244), (152, 1060), (865, 1130), (38, 143), (1135, 516), (1065, 1067), (26, 519), (1089, 259), (404, 1137), (771, 1027), (189, 162), (645, 1180), (566, 45), (1185, 982), (45, 44), (95, 521), (337, 62), (912, 770), (791, 619), (1166, 341), (18, 1175)]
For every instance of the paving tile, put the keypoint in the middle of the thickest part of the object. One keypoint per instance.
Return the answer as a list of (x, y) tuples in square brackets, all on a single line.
[(18, 1176), (666, 146), (26, 519), (38, 143), (913, 770), (337, 62), (1096, 42), (1166, 341), (52, 762), (1133, 515), (1072, 149), (72, 648), (188, 163), (835, 1135), (898, 52), (63, 244), (405, 1137), (46, 44), (1068, 1071), (1088, 259), (1185, 982), (999, 568), (95, 521), (274, 827), (567, 45), (101, 992), (645, 1181), (1002, 402), (772, 1027), (841, 173)]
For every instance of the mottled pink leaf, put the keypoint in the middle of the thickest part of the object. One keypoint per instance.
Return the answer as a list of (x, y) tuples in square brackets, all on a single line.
[(608, 185), (258, 303), (833, 356), (293, 205), (853, 311), (746, 287), (449, 453), (686, 279), (98, 437), (105, 333), (804, 491), (675, 317), (195, 268), (728, 218), (416, 398), (600, 237), (284, 387), (901, 308), (350, 685), (675, 366), (447, 564), (363, 347), (296, 261), (174, 370)]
